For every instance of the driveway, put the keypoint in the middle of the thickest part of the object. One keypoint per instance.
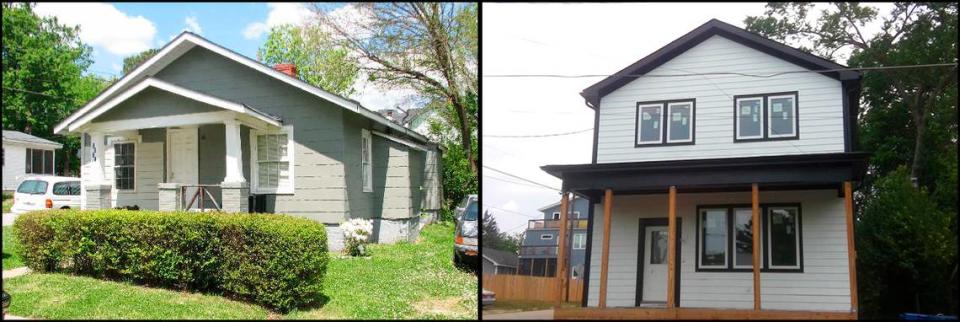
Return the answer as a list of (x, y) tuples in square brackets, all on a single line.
[(528, 315)]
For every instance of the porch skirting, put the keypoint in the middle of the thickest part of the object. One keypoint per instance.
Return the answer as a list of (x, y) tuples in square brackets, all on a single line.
[(234, 196), (97, 196), (693, 314), (169, 196)]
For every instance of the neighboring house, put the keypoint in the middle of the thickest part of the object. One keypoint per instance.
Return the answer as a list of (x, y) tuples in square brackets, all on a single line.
[(720, 156), (497, 261), (198, 115), (538, 250), (25, 154), (418, 120)]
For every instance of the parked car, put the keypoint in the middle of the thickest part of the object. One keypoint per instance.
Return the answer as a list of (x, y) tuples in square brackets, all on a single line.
[(466, 232), (46, 192), (488, 298)]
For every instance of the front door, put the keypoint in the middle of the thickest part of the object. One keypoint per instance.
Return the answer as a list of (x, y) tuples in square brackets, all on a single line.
[(655, 264), (182, 161)]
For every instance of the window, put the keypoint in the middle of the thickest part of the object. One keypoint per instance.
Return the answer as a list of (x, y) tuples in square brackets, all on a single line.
[(579, 241), (766, 117), (713, 243), (39, 161), (366, 155), (123, 165), (648, 127), (546, 236), (665, 122), (783, 237), (33, 187), (731, 227), (680, 125), (67, 188), (273, 155), (556, 215), (658, 248)]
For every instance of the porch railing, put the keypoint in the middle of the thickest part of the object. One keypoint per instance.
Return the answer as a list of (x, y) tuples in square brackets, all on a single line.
[(198, 197), (555, 223), (538, 251)]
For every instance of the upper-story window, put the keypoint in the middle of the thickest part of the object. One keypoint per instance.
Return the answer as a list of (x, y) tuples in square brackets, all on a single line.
[(761, 117), (665, 122)]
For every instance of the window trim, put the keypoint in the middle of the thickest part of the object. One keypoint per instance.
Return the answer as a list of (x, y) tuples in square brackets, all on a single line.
[(766, 239), (366, 168), (726, 244), (670, 106), (548, 235), (583, 244), (556, 215), (764, 116), (255, 165), (764, 258), (113, 166), (770, 116), (736, 118), (664, 106)]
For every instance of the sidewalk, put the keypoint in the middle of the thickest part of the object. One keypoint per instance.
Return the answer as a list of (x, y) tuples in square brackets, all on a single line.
[(11, 273), (528, 315)]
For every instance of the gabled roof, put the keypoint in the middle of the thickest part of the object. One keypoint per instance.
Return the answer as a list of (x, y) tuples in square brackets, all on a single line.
[(186, 41), (20, 137), (711, 28), (151, 82), (499, 257)]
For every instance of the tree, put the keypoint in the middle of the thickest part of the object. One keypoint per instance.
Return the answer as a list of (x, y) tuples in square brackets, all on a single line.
[(319, 61), (457, 178), (43, 81), (132, 62), (428, 47), (494, 238)]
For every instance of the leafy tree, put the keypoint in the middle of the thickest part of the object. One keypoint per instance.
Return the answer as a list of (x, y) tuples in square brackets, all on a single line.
[(909, 124), (428, 47), (132, 62), (496, 239), (319, 61), (457, 178), (43, 81)]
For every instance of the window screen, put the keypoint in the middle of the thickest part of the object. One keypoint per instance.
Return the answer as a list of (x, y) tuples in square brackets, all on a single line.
[(782, 116), (750, 118), (680, 124), (649, 130)]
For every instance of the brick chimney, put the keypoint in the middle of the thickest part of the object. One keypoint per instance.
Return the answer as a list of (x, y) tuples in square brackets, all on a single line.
[(289, 69)]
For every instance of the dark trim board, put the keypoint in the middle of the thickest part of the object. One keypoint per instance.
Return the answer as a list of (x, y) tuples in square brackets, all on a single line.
[(664, 118), (765, 127), (586, 258), (665, 222), (596, 131), (764, 265)]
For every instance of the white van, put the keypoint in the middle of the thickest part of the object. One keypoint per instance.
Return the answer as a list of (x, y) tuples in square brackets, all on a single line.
[(46, 192)]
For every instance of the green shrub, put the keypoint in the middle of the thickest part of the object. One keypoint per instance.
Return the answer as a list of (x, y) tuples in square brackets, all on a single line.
[(274, 260)]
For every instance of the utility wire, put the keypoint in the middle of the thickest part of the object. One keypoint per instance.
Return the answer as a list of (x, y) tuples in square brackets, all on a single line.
[(721, 73), (511, 211), (521, 178), (537, 135), (513, 182)]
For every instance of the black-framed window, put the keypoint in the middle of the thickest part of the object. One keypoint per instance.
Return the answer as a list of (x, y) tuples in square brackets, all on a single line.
[(669, 122), (123, 166), (764, 117), (39, 161), (725, 238)]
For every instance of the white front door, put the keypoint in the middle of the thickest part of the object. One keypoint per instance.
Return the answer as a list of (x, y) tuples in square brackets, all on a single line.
[(182, 161), (655, 264)]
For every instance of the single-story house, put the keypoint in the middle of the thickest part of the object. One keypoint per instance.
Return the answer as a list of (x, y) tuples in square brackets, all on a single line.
[(497, 261), (25, 154), (200, 126)]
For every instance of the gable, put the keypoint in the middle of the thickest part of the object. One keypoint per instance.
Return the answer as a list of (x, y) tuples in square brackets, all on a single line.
[(153, 102)]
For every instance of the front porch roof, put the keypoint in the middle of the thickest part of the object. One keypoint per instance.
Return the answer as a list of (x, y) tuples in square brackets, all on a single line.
[(232, 110), (827, 170)]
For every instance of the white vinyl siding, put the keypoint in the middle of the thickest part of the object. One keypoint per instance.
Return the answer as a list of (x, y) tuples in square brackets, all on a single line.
[(820, 115), (823, 285)]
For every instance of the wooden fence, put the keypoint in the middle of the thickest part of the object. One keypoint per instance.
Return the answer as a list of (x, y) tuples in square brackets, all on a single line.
[(522, 287)]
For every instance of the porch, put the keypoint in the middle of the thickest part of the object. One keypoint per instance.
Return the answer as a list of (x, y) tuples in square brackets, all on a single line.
[(626, 201), (160, 146)]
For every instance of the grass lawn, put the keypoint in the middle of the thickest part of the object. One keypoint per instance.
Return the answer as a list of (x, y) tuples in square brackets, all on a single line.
[(409, 281), (10, 258)]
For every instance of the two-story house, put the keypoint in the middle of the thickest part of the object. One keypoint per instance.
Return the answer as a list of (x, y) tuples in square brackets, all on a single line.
[(721, 183), (538, 250)]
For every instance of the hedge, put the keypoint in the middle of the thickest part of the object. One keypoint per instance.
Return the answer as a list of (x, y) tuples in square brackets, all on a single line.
[(274, 260)]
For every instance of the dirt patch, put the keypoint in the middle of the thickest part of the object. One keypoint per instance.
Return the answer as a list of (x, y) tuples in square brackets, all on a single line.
[(448, 306)]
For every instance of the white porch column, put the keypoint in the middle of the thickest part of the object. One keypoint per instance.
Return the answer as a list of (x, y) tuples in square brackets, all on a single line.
[(96, 151), (234, 153)]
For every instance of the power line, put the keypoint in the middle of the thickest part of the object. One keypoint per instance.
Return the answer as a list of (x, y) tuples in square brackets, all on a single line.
[(722, 73), (511, 211), (513, 182), (521, 178), (537, 135)]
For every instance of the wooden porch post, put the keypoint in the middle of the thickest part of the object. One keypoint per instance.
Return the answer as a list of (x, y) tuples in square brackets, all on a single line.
[(605, 258), (671, 246), (755, 223), (561, 251), (851, 250)]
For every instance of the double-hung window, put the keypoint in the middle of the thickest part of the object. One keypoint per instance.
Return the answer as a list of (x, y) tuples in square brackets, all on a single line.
[(725, 238), (366, 162), (39, 161), (665, 122), (274, 152), (124, 157), (766, 117), (579, 241)]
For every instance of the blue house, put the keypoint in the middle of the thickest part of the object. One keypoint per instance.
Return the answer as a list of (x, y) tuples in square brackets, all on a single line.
[(538, 252)]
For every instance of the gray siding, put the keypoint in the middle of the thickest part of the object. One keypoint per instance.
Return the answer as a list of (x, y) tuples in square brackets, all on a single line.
[(391, 182), (212, 155), (153, 102)]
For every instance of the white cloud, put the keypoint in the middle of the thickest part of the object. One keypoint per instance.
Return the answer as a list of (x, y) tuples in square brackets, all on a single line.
[(193, 25), (103, 25), (280, 13), (116, 67)]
